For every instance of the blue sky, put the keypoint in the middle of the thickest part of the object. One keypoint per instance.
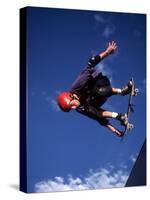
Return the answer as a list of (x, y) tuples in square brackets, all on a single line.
[(67, 151)]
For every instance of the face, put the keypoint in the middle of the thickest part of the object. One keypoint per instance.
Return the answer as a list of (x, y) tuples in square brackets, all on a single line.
[(74, 103)]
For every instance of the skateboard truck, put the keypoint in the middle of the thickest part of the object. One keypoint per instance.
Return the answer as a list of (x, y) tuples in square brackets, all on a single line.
[(130, 126)]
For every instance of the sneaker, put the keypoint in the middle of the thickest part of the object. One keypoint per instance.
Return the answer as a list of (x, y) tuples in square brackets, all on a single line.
[(126, 89), (123, 119)]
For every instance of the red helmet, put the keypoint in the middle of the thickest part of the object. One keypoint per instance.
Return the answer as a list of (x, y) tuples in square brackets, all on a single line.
[(64, 99)]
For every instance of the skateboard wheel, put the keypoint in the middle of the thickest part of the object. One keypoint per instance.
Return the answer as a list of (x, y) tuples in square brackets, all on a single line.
[(130, 126), (136, 91)]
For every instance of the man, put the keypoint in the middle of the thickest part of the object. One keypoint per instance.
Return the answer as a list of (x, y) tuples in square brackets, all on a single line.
[(90, 91)]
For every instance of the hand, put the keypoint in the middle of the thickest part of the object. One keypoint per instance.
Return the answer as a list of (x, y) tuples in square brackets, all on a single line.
[(112, 46)]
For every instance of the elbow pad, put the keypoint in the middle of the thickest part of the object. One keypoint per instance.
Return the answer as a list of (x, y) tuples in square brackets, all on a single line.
[(94, 60)]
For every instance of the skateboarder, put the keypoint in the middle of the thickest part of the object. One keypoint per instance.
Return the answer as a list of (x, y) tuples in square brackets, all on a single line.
[(91, 90)]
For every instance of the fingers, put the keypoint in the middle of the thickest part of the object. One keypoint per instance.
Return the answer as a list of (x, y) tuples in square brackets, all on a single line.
[(112, 43), (112, 46)]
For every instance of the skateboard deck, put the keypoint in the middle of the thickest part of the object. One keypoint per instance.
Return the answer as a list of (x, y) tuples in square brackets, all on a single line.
[(134, 92)]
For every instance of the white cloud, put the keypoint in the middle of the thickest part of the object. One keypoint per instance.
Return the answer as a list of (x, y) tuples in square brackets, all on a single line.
[(133, 158), (99, 18), (108, 26), (102, 178), (52, 100), (108, 30), (53, 104)]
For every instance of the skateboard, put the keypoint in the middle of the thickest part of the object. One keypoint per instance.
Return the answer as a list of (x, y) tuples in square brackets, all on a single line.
[(134, 92)]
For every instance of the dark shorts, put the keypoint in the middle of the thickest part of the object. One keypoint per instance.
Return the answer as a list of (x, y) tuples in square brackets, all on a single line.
[(100, 92), (102, 87), (102, 81)]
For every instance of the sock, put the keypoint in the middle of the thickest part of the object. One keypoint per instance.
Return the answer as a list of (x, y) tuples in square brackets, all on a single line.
[(114, 115), (119, 91)]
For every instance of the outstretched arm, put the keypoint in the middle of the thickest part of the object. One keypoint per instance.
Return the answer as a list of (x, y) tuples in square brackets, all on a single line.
[(112, 46), (93, 61)]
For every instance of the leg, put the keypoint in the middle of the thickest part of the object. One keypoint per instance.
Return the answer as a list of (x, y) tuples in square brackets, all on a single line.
[(116, 91), (124, 90), (107, 114), (119, 116), (107, 91), (104, 122), (114, 130), (103, 88)]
